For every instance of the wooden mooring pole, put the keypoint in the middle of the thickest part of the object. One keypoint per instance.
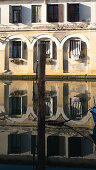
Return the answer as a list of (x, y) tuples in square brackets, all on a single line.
[(41, 107)]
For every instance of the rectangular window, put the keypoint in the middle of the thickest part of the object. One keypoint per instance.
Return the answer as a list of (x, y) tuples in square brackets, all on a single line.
[(48, 48), (36, 13), (16, 49), (75, 49), (55, 13), (73, 12), (17, 14)]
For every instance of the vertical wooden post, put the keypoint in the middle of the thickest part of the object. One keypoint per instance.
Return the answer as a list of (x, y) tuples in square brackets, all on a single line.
[(41, 107)]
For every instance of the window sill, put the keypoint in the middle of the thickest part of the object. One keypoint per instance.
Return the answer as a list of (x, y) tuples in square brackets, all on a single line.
[(18, 61), (50, 61)]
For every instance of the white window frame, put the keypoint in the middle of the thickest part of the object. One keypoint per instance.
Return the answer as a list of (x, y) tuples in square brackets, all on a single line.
[(10, 47)]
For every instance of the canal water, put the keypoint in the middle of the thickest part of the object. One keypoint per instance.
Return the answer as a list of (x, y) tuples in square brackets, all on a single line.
[(65, 144), (15, 167)]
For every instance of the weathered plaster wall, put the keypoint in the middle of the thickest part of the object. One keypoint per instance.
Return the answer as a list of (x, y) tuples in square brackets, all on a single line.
[(28, 36)]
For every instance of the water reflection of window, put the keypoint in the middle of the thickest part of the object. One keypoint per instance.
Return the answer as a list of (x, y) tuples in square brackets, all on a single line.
[(50, 105), (56, 146), (14, 143), (50, 101), (17, 103), (19, 143), (79, 106), (79, 146), (76, 107)]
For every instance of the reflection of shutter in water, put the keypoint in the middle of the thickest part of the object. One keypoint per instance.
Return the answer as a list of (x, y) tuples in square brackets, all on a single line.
[(54, 105), (33, 144), (24, 104)]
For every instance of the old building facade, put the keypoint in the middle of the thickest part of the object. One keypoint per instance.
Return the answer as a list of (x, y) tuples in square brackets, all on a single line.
[(67, 29)]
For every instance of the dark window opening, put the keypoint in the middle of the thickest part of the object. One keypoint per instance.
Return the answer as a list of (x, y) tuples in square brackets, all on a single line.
[(36, 13), (52, 13), (16, 49), (73, 12), (55, 13), (17, 14)]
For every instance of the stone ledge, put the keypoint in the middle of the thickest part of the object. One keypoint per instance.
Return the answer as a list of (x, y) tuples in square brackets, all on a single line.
[(49, 77)]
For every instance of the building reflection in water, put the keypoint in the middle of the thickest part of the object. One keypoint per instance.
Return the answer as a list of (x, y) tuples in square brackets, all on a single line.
[(64, 101), (50, 101)]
